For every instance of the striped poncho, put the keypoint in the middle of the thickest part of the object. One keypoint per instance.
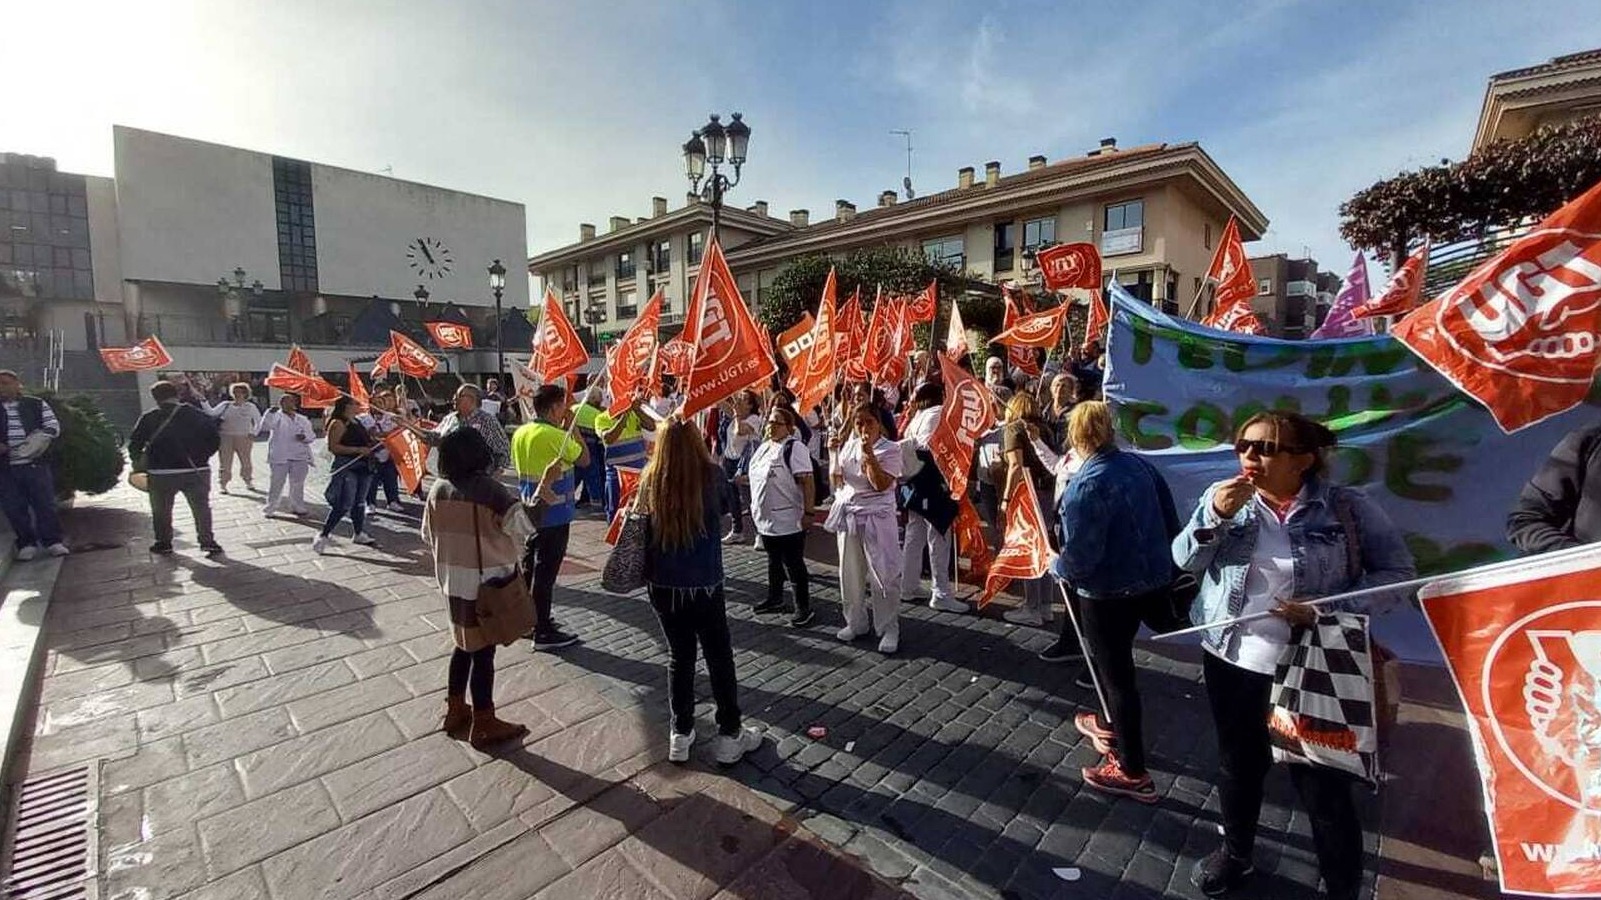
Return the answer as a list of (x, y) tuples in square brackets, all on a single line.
[(448, 529)]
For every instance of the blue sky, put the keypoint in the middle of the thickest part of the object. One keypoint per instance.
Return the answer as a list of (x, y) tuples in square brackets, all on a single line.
[(578, 110)]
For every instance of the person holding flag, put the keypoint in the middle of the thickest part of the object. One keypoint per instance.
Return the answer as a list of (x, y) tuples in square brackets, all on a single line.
[(352, 446), (1116, 517), (623, 437), (469, 412), (865, 469), (548, 440), (381, 419), (1261, 541)]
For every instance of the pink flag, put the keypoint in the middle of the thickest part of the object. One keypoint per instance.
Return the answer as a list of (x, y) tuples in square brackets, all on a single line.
[(1353, 293)]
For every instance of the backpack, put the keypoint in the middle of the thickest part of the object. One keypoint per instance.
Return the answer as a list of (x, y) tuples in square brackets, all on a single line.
[(820, 485)]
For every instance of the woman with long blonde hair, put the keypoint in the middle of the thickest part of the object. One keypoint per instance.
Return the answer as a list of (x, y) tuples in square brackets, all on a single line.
[(680, 490)]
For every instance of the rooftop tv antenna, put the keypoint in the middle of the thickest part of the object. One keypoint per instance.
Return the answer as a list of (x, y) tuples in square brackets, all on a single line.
[(906, 182)]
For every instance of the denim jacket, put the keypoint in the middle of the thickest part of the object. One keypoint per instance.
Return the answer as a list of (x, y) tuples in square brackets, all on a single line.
[(1116, 517), (1218, 553)]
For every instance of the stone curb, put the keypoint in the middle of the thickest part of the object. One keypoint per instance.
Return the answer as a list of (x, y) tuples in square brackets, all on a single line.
[(24, 601)]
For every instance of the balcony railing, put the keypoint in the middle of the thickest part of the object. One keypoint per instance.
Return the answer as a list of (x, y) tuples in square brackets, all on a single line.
[(279, 328), (1121, 241), (1450, 263)]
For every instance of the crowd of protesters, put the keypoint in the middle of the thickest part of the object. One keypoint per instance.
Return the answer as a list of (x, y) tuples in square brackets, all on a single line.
[(859, 467)]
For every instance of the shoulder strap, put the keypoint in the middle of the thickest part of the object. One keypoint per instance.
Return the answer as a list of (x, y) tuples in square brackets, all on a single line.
[(478, 542), (1344, 511)]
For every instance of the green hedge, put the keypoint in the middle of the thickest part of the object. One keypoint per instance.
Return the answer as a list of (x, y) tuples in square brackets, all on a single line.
[(88, 455)]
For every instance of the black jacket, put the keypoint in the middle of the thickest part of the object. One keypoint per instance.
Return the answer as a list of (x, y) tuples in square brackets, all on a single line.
[(185, 443), (1561, 505), (928, 495)]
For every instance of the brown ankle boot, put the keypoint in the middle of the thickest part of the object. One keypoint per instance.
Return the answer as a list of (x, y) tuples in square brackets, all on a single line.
[(487, 729), (457, 719)]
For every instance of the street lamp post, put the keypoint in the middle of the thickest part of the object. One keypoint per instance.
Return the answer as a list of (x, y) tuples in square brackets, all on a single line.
[(497, 284), (716, 144), (233, 305)]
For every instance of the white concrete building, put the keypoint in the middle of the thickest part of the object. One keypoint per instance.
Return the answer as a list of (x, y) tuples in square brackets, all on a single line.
[(322, 256)]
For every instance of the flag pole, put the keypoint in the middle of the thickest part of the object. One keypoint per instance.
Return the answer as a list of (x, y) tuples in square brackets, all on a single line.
[(1409, 584), (1205, 283)]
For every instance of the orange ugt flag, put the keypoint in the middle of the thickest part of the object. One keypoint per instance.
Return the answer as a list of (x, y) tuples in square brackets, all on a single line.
[(730, 348)]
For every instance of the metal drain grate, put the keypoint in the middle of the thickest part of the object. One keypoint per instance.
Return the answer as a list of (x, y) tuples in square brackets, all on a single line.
[(51, 839)]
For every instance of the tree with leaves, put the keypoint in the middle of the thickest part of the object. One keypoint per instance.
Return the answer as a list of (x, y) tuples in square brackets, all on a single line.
[(797, 289), (1499, 184)]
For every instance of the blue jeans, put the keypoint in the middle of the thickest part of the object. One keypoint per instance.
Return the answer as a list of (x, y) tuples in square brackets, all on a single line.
[(28, 498), (614, 490), (387, 477), (347, 493), (593, 476)]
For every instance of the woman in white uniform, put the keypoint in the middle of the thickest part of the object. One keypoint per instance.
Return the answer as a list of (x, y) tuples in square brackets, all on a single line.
[(863, 517)]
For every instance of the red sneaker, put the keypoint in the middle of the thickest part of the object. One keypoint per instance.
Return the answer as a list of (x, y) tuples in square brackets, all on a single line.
[(1110, 777), (1104, 740)]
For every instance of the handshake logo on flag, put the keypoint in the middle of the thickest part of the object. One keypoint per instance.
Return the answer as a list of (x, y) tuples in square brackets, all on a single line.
[(1542, 682), (1560, 699)]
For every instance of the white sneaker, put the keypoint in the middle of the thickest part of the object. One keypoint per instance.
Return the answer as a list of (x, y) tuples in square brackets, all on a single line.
[(365, 539), (267, 511), (251, 486), (1023, 616), (678, 746), (225, 489), (319, 544), (948, 604), (848, 634), (57, 549), (26, 553), (396, 507), (732, 748), (890, 642)]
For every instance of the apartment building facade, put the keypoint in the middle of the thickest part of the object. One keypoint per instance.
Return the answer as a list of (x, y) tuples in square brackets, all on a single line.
[(1293, 296), (604, 279), (1155, 211)]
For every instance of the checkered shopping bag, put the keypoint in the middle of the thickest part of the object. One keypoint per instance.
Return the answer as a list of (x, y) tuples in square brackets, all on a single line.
[(1323, 711)]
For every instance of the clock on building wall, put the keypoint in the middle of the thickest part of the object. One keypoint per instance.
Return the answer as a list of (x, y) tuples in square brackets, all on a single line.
[(429, 257)]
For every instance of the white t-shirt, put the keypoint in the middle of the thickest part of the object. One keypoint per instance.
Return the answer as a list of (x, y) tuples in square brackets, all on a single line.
[(734, 448), (1256, 645), (776, 501), (858, 494)]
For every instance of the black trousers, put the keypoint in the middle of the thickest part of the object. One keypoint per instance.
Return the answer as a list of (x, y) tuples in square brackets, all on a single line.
[(1240, 703), (786, 554), (692, 617), (1109, 629), (475, 670), (542, 556)]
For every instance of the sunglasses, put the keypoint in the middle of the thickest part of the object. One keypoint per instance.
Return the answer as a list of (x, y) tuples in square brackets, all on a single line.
[(1264, 448)]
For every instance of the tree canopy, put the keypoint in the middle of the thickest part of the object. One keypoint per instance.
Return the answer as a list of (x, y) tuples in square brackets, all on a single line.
[(798, 287), (1498, 184)]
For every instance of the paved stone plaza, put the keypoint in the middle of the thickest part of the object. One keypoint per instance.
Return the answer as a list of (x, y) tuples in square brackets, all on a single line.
[(265, 726)]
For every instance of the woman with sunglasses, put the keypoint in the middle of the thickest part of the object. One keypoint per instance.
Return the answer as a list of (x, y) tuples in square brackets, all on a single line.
[(1266, 540)]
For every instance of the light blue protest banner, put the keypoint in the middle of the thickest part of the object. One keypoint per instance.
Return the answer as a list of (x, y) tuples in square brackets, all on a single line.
[(1430, 455)]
